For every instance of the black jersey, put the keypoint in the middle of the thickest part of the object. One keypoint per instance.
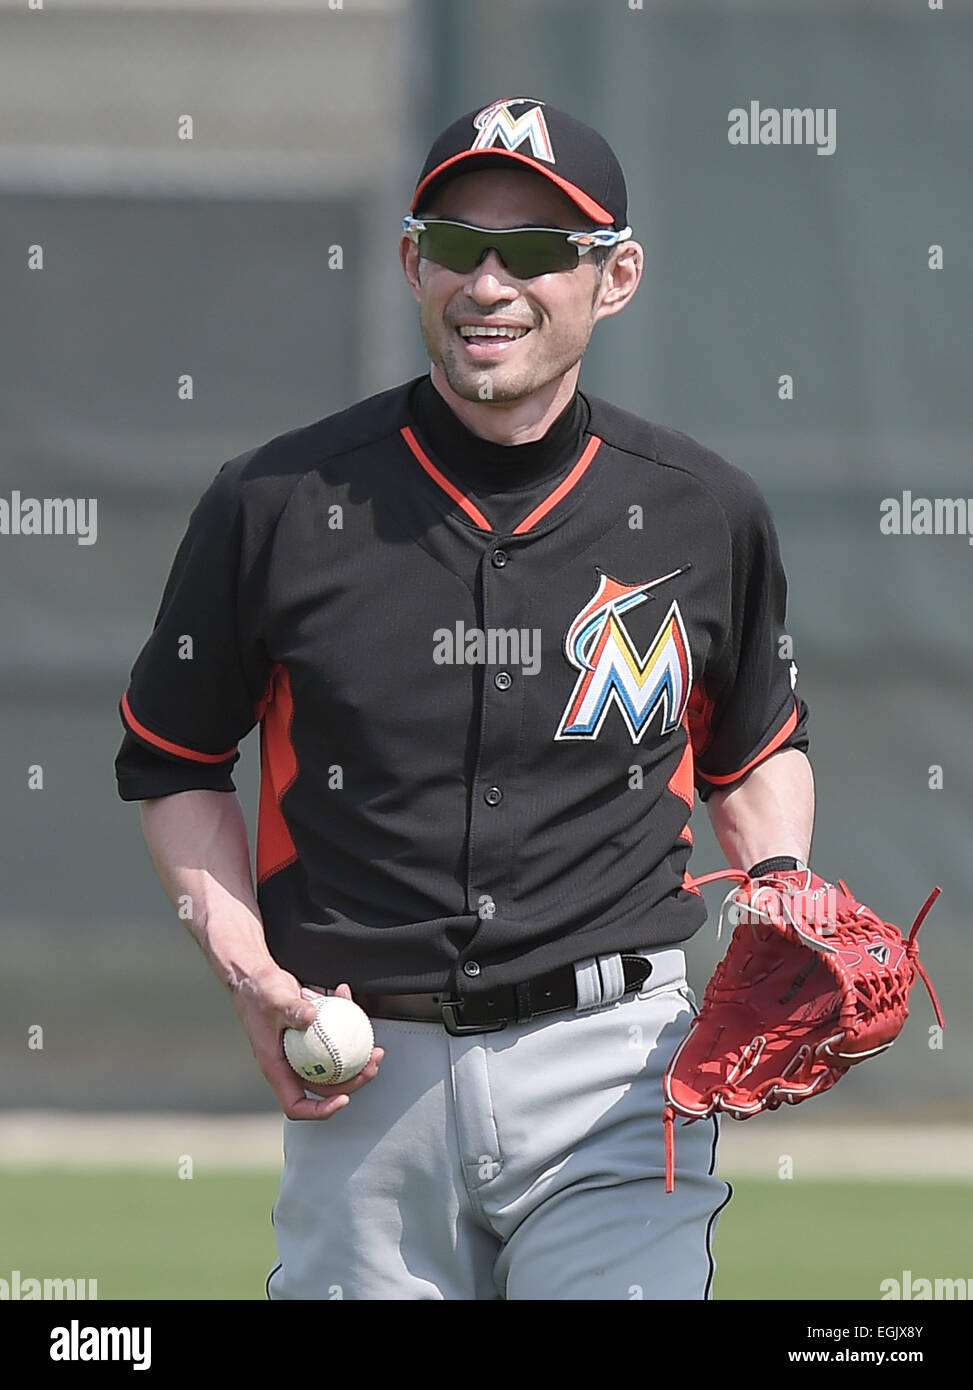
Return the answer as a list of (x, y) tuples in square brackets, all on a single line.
[(479, 748)]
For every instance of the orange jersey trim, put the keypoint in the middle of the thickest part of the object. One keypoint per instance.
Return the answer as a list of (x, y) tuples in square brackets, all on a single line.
[(699, 716), (681, 782), (765, 752), (469, 507), (166, 744), (473, 511), (278, 771), (562, 489)]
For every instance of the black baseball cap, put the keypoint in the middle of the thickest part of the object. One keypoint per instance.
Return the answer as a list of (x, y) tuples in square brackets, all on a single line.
[(538, 136)]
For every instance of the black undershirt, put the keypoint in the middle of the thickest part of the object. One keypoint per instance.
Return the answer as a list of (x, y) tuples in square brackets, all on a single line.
[(505, 480)]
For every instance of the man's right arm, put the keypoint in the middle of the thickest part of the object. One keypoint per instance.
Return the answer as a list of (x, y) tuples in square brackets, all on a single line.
[(198, 843)]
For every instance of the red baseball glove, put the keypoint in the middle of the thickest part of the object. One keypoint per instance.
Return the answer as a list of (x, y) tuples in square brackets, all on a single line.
[(812, 983)]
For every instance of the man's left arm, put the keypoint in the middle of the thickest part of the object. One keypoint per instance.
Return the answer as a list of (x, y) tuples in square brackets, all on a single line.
[(768, 812)]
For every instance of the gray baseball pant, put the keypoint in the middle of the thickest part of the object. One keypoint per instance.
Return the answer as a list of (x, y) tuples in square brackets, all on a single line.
[(527, 1163)]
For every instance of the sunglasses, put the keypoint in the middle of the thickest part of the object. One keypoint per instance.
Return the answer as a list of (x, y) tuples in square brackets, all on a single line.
[(525, 251)]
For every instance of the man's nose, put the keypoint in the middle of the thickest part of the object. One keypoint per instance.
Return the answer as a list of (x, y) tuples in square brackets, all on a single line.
[(490, 280)]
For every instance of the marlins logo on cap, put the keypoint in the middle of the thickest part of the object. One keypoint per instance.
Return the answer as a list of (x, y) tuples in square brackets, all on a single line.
[(497, 122)]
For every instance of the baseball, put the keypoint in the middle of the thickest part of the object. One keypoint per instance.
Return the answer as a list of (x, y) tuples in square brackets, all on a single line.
[(335, 1047)]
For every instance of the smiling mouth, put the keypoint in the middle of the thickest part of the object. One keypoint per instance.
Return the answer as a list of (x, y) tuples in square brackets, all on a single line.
[(488, 341)]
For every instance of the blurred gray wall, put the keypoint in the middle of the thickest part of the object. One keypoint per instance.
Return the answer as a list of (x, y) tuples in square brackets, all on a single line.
[(163, 257)]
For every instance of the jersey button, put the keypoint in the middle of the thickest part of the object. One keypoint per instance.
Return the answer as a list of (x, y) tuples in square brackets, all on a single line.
[(502, 680), (499, 558), (493, 796), (472, 969)]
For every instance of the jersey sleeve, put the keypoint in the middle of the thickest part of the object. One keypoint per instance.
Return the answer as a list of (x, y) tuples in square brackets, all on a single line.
[(750, 708), (196, 686)]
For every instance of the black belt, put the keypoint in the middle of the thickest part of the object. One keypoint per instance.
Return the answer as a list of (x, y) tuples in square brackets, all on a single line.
[(487, 1013)]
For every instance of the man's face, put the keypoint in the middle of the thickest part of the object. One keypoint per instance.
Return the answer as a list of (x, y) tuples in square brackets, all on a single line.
[(558, 310)]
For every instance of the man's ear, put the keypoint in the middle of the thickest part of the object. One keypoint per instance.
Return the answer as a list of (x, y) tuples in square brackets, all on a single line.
[(620, 279)]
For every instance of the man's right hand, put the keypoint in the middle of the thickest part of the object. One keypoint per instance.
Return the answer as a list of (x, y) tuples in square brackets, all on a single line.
[(267, 1003)]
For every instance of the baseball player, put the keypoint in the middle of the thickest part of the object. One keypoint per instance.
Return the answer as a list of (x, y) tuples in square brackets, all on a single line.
[(498, 636)]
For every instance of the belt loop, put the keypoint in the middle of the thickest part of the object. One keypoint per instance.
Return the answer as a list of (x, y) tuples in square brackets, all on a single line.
[(587, 980), (612, 977)]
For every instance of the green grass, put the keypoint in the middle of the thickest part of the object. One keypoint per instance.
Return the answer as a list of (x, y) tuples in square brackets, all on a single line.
[(140, 1234), (839, 1239), (147, 1235)]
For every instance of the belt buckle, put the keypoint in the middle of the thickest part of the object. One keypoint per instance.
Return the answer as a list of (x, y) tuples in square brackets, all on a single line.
[(449, 1007)]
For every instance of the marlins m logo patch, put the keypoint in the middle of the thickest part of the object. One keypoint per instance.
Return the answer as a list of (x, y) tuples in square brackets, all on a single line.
[(497, 122), (612, 672)]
